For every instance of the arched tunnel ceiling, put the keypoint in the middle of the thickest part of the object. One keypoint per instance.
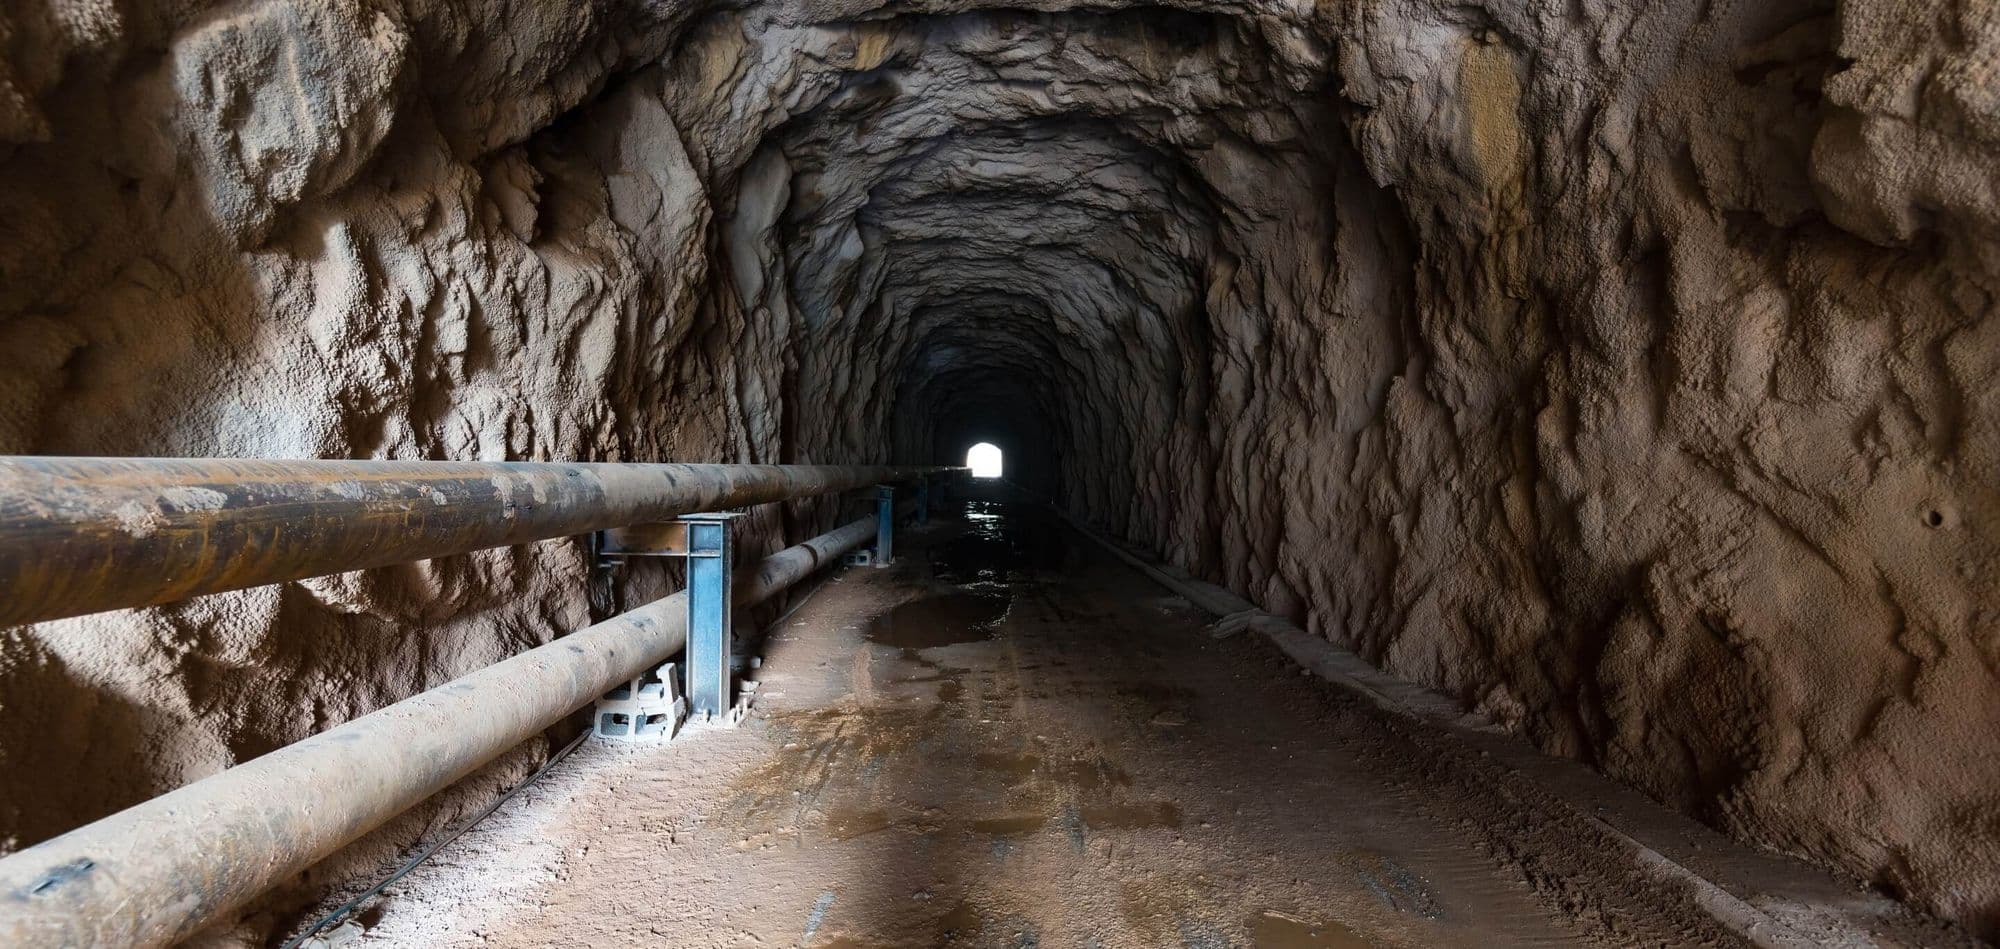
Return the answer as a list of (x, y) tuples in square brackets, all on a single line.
[(1265, 289), (1006, 206), (1623, 370)]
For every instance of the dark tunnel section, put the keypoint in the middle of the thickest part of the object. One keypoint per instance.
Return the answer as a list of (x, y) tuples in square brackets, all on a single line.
[(942, 416)]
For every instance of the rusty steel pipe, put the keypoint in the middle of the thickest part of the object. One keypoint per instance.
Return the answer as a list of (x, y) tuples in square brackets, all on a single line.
[(802, 560), (789, 566), (83, 535), (161, 871)]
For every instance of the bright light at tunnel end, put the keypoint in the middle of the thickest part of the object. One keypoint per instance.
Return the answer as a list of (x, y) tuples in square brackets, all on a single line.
[(984, 460)]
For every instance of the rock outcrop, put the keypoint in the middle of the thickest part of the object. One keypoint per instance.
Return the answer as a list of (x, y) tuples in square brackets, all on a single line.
[(1626, 372)]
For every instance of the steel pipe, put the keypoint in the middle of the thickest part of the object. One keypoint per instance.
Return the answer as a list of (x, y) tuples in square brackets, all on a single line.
[(83, 535), (789, 566), (163, 870), (795, 563)]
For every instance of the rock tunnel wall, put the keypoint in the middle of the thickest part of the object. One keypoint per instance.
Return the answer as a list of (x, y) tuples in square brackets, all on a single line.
[(1626, 373)]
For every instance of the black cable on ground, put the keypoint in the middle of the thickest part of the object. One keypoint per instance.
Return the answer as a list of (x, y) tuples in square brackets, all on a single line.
[(346, 909)]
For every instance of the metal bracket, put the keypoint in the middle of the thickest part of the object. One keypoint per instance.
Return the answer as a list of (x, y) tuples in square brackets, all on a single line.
[(885, 525), (711, 555), (665, 539), (707, 543)]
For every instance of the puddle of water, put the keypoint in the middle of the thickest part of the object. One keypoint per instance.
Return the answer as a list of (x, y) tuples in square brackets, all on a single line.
[(1132, 816), (849, 823), (972, 558), (1010, 826), (1090, 774), (934, 621), (1017, 767), (1003, 543), (1272, 930)]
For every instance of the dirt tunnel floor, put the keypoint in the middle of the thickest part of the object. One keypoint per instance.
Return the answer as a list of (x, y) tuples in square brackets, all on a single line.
[(1011, 739)]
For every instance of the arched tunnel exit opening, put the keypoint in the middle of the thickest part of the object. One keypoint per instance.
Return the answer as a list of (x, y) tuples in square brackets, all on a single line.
[(985, 460), (1515, 429)]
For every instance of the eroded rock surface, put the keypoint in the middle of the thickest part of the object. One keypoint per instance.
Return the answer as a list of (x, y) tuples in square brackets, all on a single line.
[(1624, 371)]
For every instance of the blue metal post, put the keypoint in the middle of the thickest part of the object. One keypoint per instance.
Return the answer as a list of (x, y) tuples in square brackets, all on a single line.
[(885, 524), (923, 500), (710, 552)]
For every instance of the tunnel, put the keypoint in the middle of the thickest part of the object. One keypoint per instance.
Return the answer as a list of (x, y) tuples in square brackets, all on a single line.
[(1496, 472)]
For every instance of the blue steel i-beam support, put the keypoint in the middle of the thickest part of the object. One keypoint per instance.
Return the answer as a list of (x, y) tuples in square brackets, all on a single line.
[(923, 500), (710, 559), (885, 524)]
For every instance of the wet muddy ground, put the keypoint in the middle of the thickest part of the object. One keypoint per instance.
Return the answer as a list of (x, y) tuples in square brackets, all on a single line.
[(1011, 739)]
